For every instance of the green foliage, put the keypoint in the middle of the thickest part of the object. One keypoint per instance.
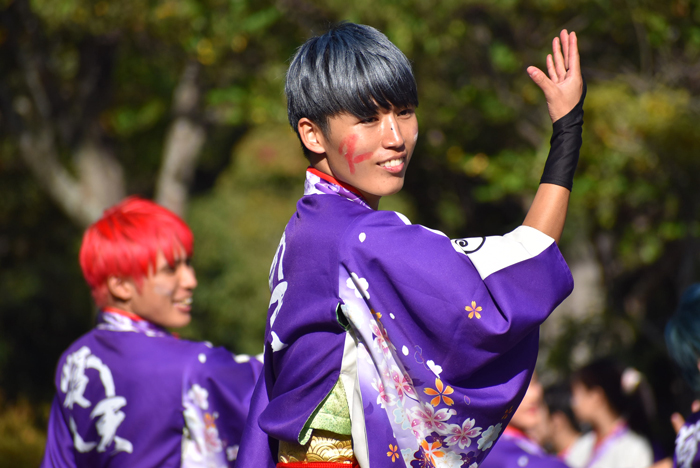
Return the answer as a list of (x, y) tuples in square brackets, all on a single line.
[(21, 440), (484, 140), (237, 227)]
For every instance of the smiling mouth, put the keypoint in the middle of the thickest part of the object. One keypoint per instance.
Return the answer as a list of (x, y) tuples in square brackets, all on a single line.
[(393, 162), (185, 302)]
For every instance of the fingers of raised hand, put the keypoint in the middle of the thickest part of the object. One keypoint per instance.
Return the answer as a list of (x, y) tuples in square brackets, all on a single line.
[(559, 65), (574, 64), (551, 70), (564, 37), (540, 80)]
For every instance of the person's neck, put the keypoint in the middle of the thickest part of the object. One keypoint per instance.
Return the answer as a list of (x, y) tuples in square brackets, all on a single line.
[(562, 440), (606, 424), (322, 165)]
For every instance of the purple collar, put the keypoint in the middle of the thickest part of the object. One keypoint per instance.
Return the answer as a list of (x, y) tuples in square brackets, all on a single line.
[(319, 183)]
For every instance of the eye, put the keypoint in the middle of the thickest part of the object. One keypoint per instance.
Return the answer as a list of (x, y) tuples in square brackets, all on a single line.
[(369, 120), (407, 112)]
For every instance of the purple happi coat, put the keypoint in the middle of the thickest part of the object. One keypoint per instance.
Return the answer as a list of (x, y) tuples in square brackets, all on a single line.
[(514, 449), (129, 394), (687, 454), (435, 340)]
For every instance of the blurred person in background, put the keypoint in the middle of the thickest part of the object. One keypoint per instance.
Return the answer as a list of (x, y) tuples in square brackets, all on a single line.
[(613, 402), (563, 429), (517, 447), (683, 342), (128, 392)]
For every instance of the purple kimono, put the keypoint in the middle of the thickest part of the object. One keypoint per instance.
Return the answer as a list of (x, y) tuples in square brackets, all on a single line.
[(129, 394), (515, 450), (434, 340), (687, 440)]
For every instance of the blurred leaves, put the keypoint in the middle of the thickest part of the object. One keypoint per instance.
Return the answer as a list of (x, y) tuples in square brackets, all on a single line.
[(21, 441), (110, 70), (237, 227)]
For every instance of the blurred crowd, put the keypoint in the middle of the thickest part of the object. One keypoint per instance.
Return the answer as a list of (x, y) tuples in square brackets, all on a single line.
[(603, 416)]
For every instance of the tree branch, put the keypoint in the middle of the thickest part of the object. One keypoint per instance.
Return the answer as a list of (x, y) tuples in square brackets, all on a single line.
[(39, 153), (183, 144)]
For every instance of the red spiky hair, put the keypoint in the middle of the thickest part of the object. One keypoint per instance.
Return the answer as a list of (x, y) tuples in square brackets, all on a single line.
[(126, 240)]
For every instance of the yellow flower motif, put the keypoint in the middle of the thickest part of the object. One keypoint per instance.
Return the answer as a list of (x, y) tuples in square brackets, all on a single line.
[(507, 413), (376, 314), (431, 451), (440, 393), (474, 310), (393, 453)]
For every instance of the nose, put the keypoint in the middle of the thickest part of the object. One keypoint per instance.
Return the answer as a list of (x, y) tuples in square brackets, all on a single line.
[(392, 136), (188, 279)]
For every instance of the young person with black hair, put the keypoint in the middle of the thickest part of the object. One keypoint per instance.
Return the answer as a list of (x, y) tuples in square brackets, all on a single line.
[(613, 401), (387, 343), (683, 342)]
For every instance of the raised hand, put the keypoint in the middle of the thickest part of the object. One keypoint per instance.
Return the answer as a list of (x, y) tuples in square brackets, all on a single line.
[(564, 86)]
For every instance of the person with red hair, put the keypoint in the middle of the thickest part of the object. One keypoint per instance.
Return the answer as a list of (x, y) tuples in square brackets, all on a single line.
[(128, 392)]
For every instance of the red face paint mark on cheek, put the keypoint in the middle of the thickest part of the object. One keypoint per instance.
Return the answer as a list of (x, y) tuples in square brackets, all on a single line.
[(361, 157), (348, 144)]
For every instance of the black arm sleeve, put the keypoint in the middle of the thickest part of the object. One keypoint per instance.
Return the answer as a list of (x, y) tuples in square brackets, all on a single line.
[(564, 147)]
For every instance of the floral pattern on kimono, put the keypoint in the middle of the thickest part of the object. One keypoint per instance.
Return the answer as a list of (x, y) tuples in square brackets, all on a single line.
[(369, 298)]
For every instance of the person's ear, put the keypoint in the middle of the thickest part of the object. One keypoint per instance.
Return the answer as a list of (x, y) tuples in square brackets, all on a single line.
[(311, 136), (121, 289)]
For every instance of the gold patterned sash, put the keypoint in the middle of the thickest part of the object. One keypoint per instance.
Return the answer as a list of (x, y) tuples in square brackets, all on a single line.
[(323, 446)]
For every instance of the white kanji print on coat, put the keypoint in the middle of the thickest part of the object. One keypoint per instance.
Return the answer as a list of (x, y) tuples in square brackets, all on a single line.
[(108, 412)]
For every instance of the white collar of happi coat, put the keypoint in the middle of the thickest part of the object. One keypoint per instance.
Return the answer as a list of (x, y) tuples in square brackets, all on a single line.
[(318, 183), (118, 320)]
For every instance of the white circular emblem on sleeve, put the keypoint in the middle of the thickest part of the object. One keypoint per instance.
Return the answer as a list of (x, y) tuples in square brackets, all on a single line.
[(404, 350), (202, 358), (363, 236)]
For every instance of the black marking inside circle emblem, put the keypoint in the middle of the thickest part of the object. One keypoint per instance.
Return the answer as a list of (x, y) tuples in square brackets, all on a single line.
[(469, 246)]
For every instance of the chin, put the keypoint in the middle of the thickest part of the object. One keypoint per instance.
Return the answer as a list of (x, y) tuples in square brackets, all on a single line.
[(183, 322), (393, 190), (178, 322)]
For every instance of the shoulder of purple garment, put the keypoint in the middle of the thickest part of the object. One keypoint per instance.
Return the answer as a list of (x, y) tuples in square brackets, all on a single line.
[(207, 356), (371, 220)]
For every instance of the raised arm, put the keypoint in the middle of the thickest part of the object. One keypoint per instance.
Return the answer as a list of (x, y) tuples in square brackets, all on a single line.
[(564, 90)]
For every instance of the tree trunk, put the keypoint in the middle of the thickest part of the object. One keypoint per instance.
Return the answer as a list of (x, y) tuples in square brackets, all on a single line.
[(184, 142)]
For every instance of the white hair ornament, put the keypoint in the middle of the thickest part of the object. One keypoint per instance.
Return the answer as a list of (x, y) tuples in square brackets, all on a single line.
[(631, 378)]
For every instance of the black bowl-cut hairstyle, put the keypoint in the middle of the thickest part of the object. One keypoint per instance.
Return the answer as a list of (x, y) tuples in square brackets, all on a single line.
[(351, 69)]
